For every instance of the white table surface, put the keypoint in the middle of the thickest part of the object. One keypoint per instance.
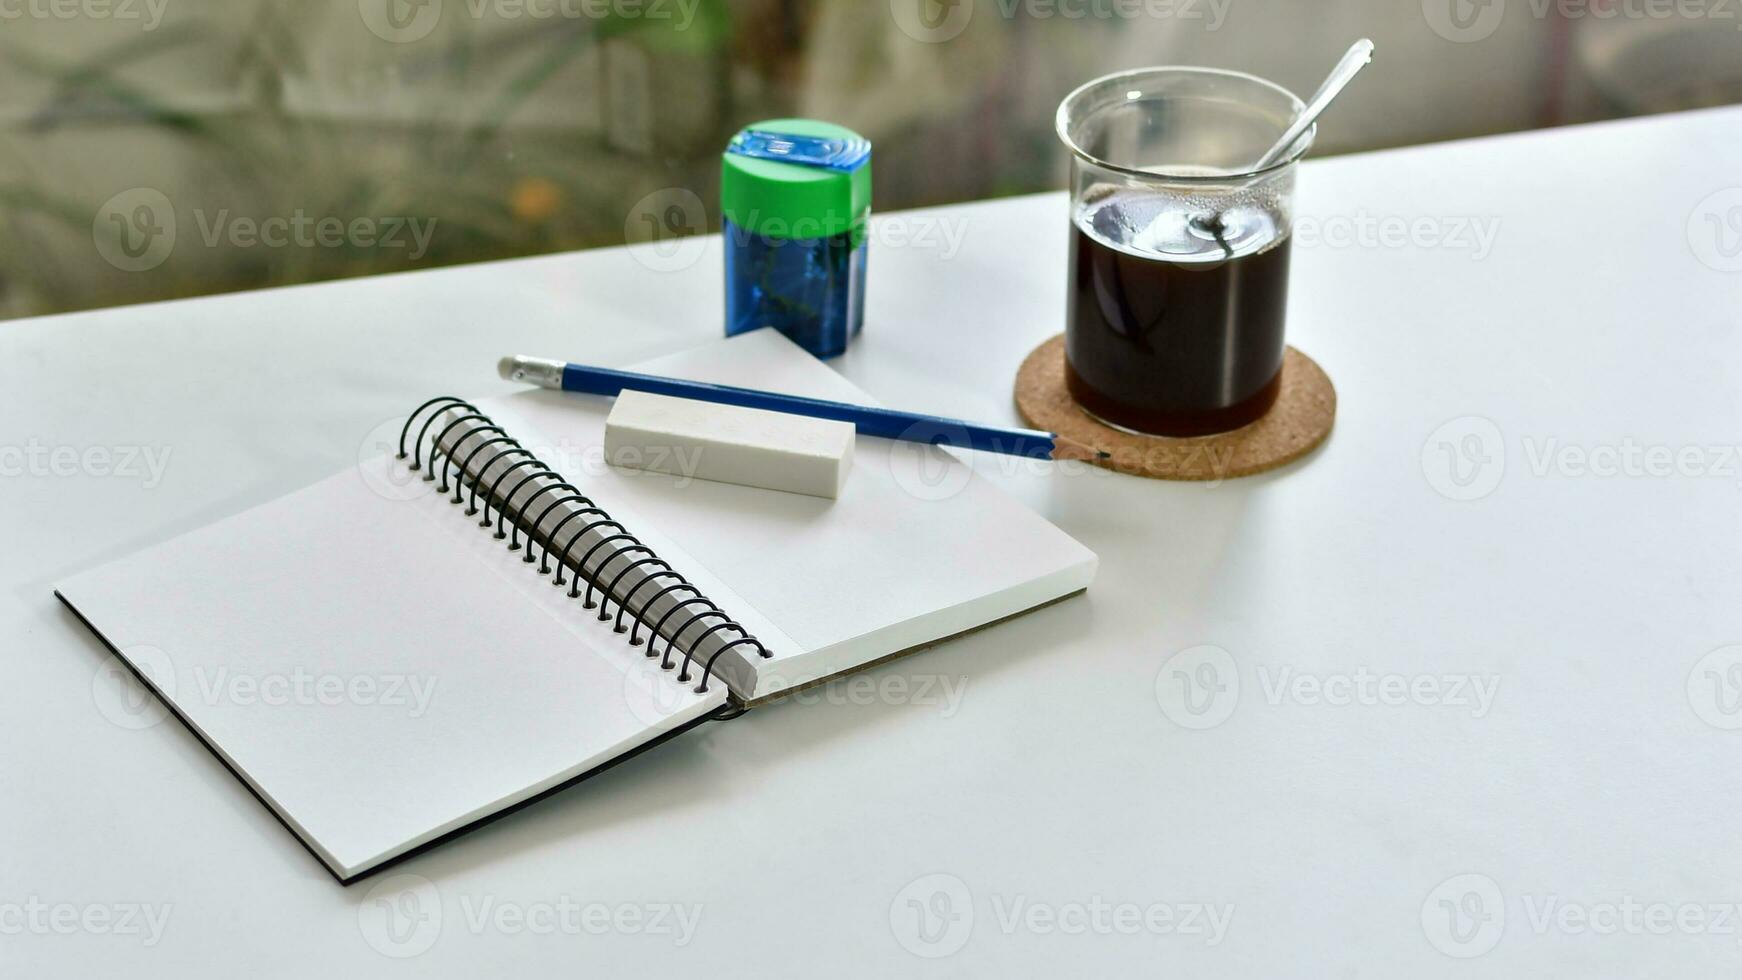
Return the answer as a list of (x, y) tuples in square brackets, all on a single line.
[(1596, 794)]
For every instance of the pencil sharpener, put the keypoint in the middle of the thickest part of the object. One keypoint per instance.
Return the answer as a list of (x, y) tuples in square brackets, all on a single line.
[(796, 201)]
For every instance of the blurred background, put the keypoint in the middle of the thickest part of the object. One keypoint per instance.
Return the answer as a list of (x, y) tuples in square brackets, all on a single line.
[(155, 149)]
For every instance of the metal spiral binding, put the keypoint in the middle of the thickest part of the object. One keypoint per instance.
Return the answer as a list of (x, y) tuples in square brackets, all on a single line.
[(457, 475)]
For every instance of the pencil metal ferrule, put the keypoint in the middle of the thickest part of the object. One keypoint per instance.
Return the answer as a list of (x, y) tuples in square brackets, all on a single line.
[(533, 371)]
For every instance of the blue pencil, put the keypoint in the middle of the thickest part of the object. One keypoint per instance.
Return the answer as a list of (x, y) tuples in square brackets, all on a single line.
[(881, 422)]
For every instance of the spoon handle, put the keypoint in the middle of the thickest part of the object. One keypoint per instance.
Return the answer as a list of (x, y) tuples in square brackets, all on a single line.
[(1358, 57)]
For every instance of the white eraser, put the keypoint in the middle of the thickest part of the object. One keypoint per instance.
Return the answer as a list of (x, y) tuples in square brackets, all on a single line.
[(728, 444)]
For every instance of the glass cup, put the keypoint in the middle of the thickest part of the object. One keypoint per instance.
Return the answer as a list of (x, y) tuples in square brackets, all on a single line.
[(1179, 248)]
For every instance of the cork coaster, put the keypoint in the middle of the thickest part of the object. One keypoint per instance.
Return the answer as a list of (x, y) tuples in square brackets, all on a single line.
[(1300, 423)]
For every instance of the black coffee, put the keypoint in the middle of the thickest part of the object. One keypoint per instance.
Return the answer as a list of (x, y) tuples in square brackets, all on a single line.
[(1176, 316)]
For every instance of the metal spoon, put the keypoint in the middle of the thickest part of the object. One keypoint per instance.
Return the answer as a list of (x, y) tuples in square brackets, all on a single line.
[(1358, 58)]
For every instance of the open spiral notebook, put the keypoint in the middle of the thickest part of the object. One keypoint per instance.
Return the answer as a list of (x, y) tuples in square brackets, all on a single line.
[(397, 654)]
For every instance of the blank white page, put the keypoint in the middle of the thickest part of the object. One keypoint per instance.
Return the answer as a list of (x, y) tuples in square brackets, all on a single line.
[(916, 549), (381, 670)]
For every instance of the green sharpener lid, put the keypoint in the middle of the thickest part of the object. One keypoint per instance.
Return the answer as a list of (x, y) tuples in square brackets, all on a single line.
[(788, 200)]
